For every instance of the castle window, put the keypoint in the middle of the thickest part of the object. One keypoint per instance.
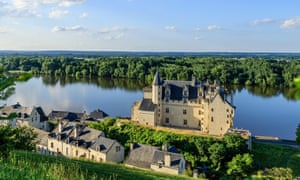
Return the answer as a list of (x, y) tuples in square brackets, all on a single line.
[(227, 122), (52, 145), (212, 109), (118, 148), (167, 120), (67, 151), (227, 110), (184, 111), (212, 119), (167, 110), (184, 122), (199, 123), (93, 157), (76, 153), (185, 93), (184, 101)]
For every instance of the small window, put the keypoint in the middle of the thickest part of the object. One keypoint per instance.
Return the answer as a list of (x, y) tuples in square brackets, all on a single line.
[(118, 148), (76, 153), (167, 120), (212, 119), (184, 111), (67, 151), (199, 123), (185, 93), (184, 122), (227, 110), (167, 110), (212, 109), (52, 145), (227, 122), (100, 160), (93, 157), (184, 101)]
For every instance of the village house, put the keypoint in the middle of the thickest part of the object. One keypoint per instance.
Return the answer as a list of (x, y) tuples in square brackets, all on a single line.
[(185, 104), (78, 141), (166, 160), (24, 116), (66, 115)]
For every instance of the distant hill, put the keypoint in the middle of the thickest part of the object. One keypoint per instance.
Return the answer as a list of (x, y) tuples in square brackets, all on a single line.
[(144, 53)]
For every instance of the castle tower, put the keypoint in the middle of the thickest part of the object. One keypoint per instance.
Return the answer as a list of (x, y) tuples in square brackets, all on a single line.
[(156, 88)]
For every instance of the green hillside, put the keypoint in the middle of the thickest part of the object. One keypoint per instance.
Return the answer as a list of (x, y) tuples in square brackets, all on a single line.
[(28, 165)]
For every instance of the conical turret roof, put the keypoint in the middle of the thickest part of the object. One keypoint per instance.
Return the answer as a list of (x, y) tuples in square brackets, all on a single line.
[(156, 80)]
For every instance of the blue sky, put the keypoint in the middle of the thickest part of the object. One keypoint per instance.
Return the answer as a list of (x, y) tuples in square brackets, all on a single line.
[(150, 25)]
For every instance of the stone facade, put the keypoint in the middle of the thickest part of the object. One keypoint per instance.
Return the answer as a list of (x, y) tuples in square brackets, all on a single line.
[(78, 141), (185, 104)]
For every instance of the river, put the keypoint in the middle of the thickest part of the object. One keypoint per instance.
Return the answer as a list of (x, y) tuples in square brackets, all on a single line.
[(264, 111)]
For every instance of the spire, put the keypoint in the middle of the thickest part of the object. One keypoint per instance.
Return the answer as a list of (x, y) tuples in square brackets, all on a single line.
[(156, 80)]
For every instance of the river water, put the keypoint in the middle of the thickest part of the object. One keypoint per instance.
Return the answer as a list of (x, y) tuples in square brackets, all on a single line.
[(263, 111)]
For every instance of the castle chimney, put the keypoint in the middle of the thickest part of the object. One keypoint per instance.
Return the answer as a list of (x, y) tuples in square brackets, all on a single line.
[(132, 146), (167, 159), (60, 126), (164, 147), (76, 131)]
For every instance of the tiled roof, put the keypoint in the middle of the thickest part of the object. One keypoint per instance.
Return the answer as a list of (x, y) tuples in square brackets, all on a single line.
[(159, 157)]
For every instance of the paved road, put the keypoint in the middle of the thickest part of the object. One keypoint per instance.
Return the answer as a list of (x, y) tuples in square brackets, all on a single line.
[(278, 142)]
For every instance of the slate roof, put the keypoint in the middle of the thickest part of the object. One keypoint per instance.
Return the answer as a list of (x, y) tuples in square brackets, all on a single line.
[(147, 105), (42, 136), (41, 113), (103, 144), (97, 114), (71, 116), (21, 111), (159, 157), (86, 137), (141, 156)]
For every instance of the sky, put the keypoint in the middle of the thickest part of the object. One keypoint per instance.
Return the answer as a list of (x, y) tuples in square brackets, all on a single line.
[(151, 25)]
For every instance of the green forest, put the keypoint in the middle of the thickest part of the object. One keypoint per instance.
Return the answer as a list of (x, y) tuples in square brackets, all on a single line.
[(262, 71)]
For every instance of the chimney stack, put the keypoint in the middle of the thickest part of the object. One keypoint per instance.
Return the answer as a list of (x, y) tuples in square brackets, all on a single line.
[(132, 146), (76, 131), (60, 126), (167, 159)]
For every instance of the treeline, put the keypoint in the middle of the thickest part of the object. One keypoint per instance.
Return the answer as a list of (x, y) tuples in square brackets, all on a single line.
[(214, 158), (263, 71)]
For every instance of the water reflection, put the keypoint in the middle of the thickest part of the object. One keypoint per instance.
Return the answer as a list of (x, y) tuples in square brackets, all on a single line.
[(105, 83)]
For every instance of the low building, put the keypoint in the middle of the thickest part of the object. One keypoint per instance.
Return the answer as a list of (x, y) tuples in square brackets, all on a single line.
[(18, 115), (66, 115), (151, 158), (97, 115), (38, 119), (191, 105), (78, 141)]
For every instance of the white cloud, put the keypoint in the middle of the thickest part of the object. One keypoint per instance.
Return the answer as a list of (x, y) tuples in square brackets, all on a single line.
[(113, 29), (290, 23), (114, 37), (71, 28), (262, 21), (57, 13), (198, 29), (4, 29), (64, 3), (213, 27), (170, 28), (198, 38), (83, 15), (25, 4)]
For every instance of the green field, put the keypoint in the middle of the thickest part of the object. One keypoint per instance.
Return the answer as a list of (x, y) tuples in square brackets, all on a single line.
[(268, 156), (28, 165)]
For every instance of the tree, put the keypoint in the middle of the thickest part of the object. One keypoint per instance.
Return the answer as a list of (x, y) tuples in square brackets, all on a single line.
[(298, 134), (234, 144), (217, 152), (240, 165), (16, 138)]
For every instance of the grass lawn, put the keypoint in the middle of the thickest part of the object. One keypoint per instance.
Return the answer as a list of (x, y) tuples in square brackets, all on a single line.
[(28, 165), (268, 156)]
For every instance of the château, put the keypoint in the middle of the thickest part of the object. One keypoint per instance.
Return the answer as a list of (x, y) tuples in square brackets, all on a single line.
[(185, 104)]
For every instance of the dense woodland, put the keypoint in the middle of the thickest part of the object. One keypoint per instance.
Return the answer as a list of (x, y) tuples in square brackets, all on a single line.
[(263, 71)]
